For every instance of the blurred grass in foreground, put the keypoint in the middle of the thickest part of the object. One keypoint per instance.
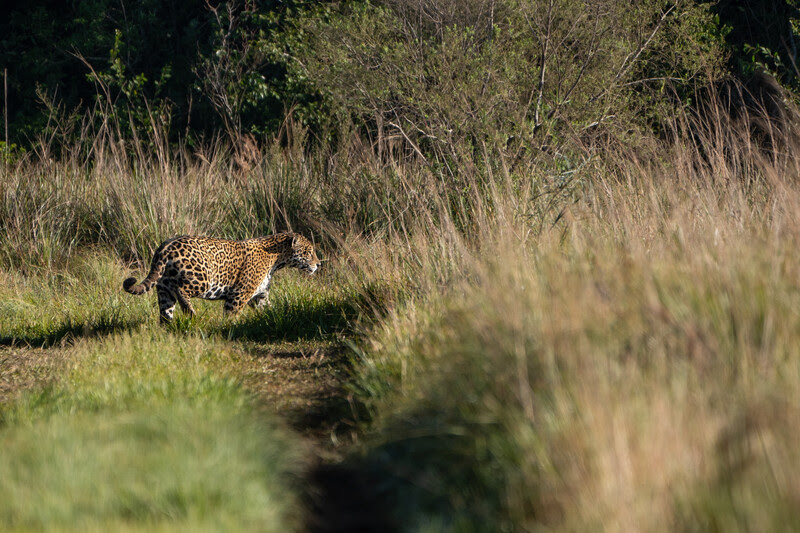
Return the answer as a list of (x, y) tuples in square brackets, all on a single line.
[(635, 367), (146, 431)]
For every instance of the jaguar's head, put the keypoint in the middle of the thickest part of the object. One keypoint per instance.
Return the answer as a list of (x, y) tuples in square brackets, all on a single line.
[(303, 256)]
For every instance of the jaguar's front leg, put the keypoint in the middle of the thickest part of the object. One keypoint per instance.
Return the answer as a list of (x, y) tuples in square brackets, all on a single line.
[(261, 296)]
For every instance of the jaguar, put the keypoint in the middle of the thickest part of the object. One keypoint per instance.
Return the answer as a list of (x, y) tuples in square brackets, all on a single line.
[(239, 272)]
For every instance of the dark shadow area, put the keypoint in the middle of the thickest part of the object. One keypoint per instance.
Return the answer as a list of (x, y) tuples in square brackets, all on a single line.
[(341, 495), (430, 471), (290, 321), (344, 498), (308, 387), (65, 332), (329, 413), (432, 481)]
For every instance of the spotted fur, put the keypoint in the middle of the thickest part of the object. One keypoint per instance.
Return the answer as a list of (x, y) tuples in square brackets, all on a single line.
[(238, 272)]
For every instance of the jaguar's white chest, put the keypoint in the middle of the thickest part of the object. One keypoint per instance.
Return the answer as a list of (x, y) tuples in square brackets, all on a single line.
[(264, 285)]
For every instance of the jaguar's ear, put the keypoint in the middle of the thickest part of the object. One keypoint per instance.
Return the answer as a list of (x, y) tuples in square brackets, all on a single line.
[(294, 239)]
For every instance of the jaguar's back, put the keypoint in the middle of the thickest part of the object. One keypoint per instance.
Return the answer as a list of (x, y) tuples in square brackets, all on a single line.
[(235, 271)]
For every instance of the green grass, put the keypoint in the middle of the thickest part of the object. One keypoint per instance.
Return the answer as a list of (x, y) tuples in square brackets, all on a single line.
[(146, 430), (82, 300), (185, 467)]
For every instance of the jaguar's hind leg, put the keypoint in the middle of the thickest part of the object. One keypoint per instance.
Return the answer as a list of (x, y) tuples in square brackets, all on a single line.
[(183, 301), (166, 303)]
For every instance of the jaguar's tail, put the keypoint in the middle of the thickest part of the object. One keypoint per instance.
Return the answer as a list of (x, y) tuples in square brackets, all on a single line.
[(156, 269)]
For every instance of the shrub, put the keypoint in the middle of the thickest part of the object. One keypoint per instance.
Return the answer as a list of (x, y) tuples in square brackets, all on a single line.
[(449, 81)]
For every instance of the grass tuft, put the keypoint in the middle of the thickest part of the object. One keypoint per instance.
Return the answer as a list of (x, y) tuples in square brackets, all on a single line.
[(84, 300)]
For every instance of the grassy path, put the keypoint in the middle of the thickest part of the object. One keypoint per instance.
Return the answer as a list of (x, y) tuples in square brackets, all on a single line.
[(307, 387), (302, 383)]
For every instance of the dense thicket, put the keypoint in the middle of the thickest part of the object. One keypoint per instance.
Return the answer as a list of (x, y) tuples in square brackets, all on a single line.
[(444, 77), (132, 55)]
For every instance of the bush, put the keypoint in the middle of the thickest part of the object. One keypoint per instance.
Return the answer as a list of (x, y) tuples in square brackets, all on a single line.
[(453, 84)]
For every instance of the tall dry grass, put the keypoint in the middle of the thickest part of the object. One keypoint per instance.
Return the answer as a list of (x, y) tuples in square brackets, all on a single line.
[(632, 366), (123, 196)]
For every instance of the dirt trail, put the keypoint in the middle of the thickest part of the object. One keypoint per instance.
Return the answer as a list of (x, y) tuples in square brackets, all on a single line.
[(23, 368), (308, 389)]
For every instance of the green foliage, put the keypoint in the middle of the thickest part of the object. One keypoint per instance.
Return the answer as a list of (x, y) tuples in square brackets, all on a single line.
[(440, 78), (123, 96), (251, 62), (689, 53), (232, 75), (131, 87), (763, 37), (41, 44), (10, 153), (518, 75)]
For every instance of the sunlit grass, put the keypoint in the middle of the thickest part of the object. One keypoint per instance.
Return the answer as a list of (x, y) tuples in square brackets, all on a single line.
[(635, 368), (175, 467), (50, 306), (145, 429)]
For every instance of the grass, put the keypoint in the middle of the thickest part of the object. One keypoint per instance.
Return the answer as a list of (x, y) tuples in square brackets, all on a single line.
[(80, 300), (614, 351), (633, 368), (146, 430), (176, 466)]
